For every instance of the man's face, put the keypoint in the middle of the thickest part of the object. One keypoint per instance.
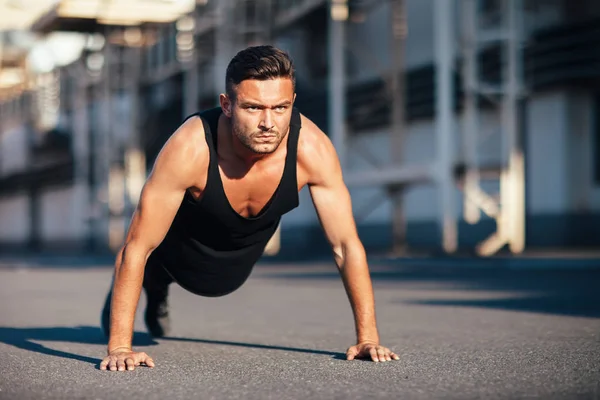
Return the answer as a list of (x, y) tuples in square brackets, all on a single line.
[(260, 112)]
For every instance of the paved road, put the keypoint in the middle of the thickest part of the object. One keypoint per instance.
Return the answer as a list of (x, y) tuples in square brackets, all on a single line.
[(462, 333)]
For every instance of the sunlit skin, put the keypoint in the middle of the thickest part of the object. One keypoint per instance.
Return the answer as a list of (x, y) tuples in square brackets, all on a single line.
[(260, 115), (251, 138)]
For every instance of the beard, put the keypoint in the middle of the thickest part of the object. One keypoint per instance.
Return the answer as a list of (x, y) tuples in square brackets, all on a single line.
[(248, 139)]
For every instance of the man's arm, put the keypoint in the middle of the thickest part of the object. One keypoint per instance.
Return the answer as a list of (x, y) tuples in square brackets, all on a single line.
[(333, 205), (160, 199), (334, 208)]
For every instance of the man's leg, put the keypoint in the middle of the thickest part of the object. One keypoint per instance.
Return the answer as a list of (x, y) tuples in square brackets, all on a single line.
[(156, 286)]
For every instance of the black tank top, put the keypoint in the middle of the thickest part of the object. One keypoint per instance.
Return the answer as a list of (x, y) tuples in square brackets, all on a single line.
[(210, 249)]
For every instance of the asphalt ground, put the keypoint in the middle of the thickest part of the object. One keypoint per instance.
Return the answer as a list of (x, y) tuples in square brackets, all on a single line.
[(462, 332)]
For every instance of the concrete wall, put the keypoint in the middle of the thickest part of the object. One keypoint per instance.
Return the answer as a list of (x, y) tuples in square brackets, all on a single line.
[(14, 219), (62, 219), (585, 193), (14, 145), (560, 149), (63, 214), (594, 144), (547, 124)]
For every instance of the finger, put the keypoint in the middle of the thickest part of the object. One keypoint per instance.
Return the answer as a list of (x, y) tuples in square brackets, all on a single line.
[(112, 364), (374, 355), (130, 364), (144, 358), (381, 354), (149, 362), (121, 364), (394, 356), (351, 353), (104, 364)]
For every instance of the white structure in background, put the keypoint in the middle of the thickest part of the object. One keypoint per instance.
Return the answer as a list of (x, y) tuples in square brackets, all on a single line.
[(509, 211), (560, 113), (117, 95)]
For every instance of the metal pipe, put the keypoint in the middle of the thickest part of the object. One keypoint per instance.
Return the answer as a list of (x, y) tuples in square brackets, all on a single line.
[(444, 54), (336, 81), (516, 181), (397, 133), (470, 130)]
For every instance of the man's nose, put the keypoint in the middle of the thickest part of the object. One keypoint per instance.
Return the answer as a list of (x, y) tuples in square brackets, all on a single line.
[(267, 121)]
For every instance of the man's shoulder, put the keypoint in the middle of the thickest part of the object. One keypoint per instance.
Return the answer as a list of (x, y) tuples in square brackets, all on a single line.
[(188, 141), (311, 136), (205, 114), (309, 131), (210, 112), (314, 147)]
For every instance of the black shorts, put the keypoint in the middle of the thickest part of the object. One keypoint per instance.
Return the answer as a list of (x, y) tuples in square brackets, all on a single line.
[(202, 279)]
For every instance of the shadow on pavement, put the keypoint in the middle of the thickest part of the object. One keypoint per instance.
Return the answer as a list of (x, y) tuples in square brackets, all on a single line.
[(567, 305), (335, 355), (561, 291), (25, 338)]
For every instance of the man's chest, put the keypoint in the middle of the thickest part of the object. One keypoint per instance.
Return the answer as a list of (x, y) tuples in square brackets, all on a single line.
[(249, 191)]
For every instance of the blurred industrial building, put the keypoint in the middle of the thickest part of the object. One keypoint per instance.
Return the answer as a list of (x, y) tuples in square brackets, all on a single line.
[(461, 124)]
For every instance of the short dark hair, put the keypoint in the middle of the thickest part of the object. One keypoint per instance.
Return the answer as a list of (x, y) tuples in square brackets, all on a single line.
[(261, 63)]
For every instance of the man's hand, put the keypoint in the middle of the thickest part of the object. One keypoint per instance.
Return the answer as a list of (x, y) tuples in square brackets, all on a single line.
[(119, 359), (371, 350)]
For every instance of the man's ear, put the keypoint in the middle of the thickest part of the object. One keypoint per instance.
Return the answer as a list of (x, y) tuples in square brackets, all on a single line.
[(226, 104)]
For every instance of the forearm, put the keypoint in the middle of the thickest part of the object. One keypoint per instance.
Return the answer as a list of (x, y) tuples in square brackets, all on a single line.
[(129, 275), (357, 282)]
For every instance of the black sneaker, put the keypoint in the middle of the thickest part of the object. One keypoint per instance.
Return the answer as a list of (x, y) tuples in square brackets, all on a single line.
[(105, 317), (157, 315)]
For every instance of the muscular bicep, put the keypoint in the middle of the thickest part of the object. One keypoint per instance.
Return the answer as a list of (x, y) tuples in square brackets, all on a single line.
[(329, 193), (172, 174), (334, 208), (154, 214)]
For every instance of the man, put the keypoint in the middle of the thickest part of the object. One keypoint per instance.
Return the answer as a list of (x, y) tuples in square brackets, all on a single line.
[(215, 197)]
